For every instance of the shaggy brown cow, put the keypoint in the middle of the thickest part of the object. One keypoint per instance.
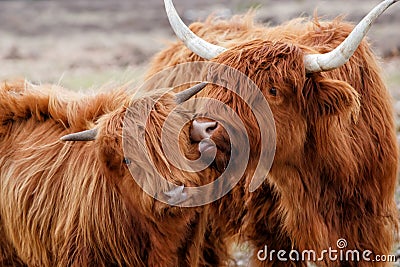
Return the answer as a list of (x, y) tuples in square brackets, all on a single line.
[(75, 203), (334, 172)]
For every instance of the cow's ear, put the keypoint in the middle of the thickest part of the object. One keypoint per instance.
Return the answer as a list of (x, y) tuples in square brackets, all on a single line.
[(110, 152), (109, 143), (328, 97)]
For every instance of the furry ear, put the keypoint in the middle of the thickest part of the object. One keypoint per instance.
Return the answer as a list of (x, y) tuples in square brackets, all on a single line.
[(328, 97), (109, 143)]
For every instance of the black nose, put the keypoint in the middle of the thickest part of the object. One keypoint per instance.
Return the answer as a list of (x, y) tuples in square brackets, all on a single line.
[(202, 129)]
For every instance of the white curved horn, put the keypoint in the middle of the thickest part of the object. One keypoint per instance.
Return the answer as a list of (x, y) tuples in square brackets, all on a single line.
[(341, 54), (197, 45), (88, 135), (188, 93)]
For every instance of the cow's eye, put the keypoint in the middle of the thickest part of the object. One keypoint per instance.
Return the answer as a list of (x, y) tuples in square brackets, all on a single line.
[(273, 91), (127, 161)]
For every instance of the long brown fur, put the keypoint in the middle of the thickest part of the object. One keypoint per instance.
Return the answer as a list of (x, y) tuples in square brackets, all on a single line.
[(334, 172), (76, 204)]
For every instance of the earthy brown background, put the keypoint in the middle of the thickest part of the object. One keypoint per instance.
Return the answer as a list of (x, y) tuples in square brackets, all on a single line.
[(84, 44)]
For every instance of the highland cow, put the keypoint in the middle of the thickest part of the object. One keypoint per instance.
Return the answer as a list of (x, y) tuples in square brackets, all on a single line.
[(334, 171), (69, 203)]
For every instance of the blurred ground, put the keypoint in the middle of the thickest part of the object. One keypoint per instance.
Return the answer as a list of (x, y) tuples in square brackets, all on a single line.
[(83, 43)]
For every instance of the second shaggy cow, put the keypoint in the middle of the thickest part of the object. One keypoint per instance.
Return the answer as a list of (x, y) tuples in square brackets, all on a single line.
[(334, 172), (75, 203)]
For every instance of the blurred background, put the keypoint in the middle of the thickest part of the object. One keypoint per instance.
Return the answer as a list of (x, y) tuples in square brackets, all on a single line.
[(84, 44)]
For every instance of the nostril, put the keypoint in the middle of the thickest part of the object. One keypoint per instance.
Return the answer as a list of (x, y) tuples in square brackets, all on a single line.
[(210, 129), (202, 129)]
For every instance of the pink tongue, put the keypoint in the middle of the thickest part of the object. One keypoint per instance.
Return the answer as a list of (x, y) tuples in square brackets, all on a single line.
[(207, 147)]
